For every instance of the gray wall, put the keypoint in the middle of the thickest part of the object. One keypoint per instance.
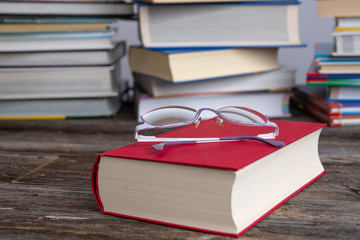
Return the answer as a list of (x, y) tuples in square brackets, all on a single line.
[(312, 29)]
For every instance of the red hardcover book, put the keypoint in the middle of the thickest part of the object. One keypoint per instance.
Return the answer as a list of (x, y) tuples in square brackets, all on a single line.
[(224, 188)]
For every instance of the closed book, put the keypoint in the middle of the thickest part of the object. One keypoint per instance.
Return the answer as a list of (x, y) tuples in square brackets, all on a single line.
[(331, 80), (84, 57), (348, 23), (55, 19), (66, 8), (344, 94), (59, 82), (240, 24), (334, 8), (348, 67), (264, 81), (61, 108), (347, 43), (224, 188), (207, 1), (192, 65), (61, 41), (51, 27), (274, 104)]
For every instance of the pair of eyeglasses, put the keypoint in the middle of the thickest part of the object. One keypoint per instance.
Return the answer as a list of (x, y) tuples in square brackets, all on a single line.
[(177, 116)]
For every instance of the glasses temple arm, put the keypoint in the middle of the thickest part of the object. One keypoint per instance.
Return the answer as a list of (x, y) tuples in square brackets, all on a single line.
[(273, 143)]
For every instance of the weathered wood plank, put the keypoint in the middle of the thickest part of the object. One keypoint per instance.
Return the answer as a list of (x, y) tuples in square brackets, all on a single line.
[(15, 166), (45, 190)]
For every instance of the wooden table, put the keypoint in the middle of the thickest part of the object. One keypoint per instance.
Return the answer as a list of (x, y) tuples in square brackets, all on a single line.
[(45, 190)]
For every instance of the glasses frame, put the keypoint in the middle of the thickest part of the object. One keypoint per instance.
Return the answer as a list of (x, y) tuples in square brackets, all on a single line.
[(196, 120), (146, 126)]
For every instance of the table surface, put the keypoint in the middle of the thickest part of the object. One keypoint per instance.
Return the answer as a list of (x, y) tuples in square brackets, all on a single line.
[(45, 190)]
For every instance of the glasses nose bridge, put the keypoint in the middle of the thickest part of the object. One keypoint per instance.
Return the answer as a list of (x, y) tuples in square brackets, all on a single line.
[(218, 117), (201, 110)]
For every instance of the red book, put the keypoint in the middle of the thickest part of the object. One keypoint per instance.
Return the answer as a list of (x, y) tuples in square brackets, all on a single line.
[(335, 114), (223, 188)]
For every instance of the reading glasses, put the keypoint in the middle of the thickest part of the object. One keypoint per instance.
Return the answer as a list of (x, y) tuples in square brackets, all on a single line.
[(177, 116)]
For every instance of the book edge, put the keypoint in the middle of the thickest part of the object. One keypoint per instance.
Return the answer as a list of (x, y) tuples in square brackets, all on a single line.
[(94, 183), (282, 202)]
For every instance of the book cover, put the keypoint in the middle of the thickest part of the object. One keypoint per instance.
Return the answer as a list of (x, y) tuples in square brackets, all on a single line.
[(205, 156), (217, 159)]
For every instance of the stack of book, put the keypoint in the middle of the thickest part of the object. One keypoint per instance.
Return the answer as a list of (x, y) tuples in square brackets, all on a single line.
[(214, 54), (60, 59), (336, 67)]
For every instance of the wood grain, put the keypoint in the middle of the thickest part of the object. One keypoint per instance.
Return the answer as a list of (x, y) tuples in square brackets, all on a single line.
[(45, 190)]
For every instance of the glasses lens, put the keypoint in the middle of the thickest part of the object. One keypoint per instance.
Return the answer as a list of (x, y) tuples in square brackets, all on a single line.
[(241, 114), (169, 115)]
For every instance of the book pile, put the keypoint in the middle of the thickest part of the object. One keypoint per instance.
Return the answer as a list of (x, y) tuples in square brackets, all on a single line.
[(214, 54), (60, 59), (336, 67)]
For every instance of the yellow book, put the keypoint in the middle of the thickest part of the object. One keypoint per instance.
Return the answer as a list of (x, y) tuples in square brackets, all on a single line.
[(347, 28), (52, 27)]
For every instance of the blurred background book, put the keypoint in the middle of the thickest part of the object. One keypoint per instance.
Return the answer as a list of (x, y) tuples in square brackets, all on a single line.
[(61, 59), (332, 92)]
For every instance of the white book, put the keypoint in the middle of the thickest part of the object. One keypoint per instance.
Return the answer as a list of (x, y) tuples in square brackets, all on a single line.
[(59, 8), (347, 94), (63, 58), (59, 108), (59, 82), (272, 80), (347, 42), (273, 104), (348, 22), (61, 41), (219, 25)]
